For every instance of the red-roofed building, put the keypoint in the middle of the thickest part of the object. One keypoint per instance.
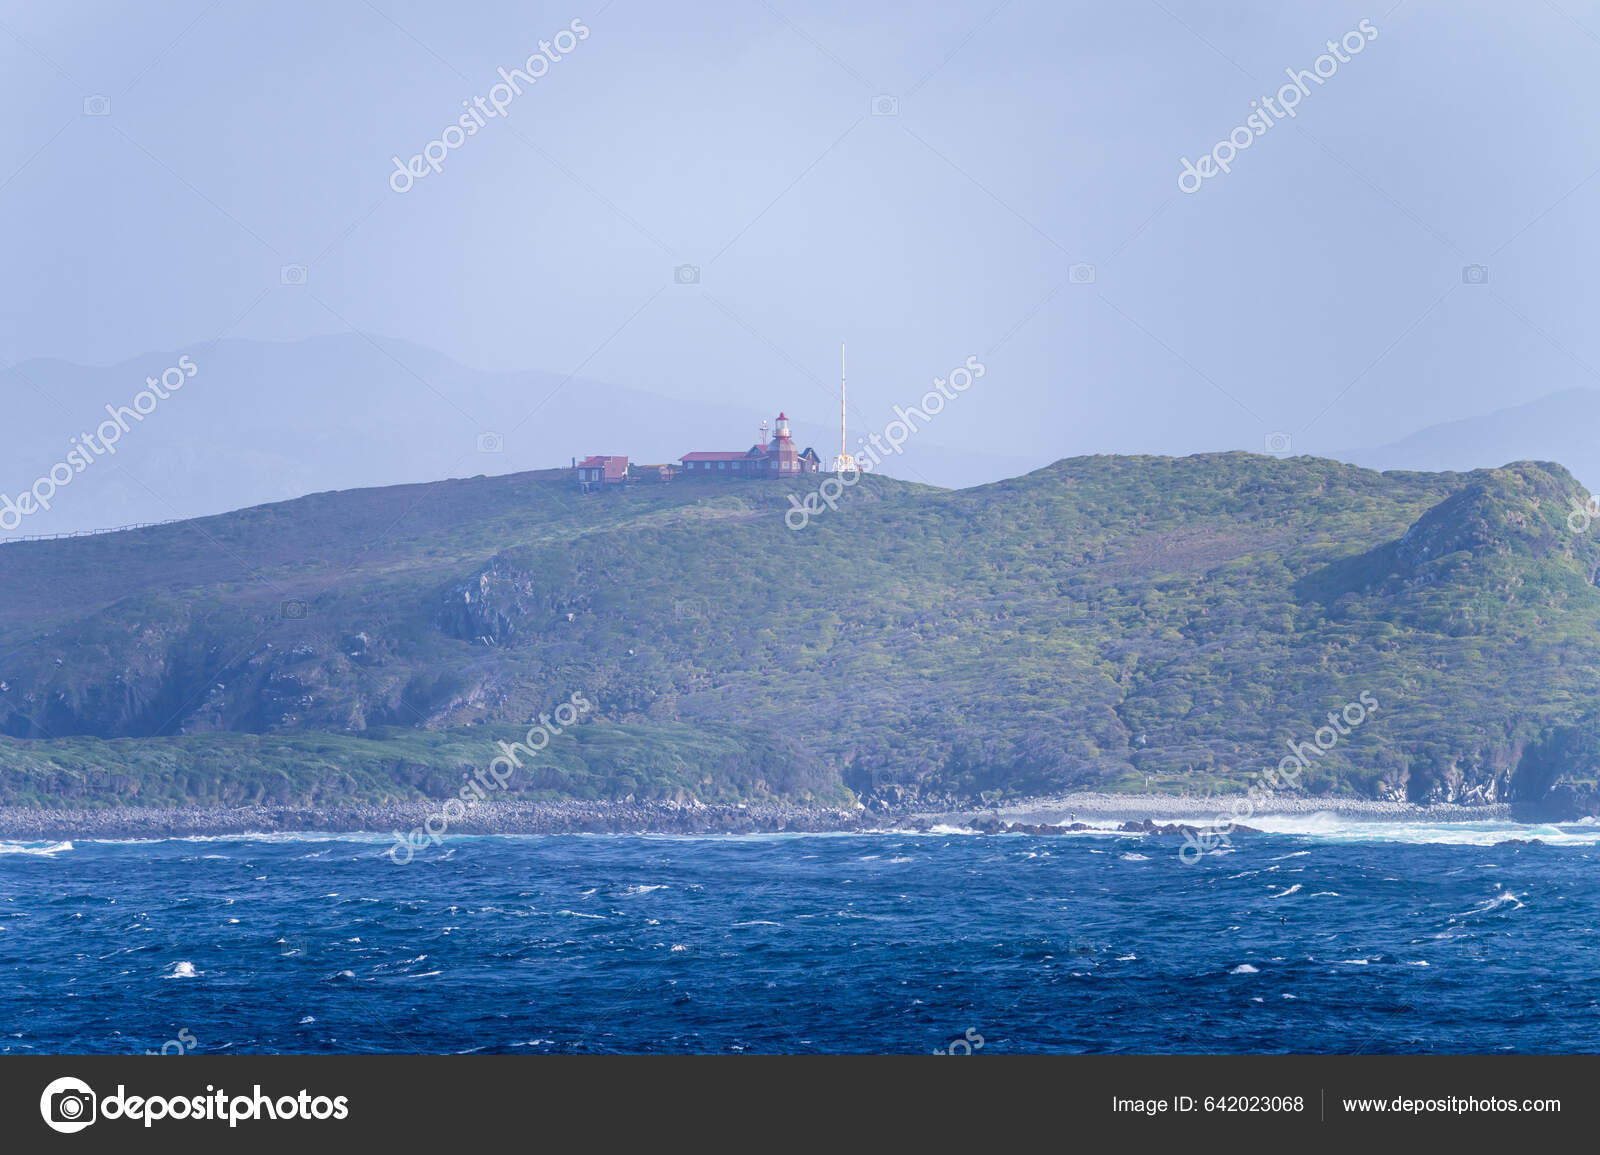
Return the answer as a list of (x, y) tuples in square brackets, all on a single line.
[(598, 471), (775, 458)]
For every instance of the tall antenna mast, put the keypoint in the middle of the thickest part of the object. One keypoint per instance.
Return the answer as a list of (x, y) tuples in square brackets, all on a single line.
[(844, 463)]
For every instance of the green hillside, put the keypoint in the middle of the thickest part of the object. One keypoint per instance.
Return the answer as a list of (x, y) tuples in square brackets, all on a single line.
[(1107, 622)]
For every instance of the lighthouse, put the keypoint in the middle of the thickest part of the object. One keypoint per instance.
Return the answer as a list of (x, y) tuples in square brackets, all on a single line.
[(775, 458)]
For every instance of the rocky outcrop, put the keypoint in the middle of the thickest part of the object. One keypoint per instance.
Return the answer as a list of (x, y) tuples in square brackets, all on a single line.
[(1558, 778)]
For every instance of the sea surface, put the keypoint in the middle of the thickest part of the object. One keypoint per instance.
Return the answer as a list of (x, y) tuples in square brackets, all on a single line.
[(1322, 936)]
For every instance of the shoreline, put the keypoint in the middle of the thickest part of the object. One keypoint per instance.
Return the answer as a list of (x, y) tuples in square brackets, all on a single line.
[(1098, 810)]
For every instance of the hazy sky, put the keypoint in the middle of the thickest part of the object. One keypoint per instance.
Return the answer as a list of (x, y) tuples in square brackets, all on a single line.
[(1315, 289)]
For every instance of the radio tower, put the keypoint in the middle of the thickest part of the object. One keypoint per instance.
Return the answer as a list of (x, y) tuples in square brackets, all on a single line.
[(844, 463)]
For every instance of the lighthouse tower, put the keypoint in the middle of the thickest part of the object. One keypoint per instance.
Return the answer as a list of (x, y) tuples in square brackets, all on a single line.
[(782, 457)]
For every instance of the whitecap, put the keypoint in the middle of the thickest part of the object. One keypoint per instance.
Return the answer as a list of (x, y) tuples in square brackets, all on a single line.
[(35, 849), (1326, 824), (1244, 969), (1504, 898), (182, 969)]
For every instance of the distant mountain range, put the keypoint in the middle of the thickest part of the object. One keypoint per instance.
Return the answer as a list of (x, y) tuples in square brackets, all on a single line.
[(1562, 427), (1124, 623), (263, 422)]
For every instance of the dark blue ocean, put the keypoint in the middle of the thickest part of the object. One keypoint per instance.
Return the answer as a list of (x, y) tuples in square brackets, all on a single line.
[(1382, 939)]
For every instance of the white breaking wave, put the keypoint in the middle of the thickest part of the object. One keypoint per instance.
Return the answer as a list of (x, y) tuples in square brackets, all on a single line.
[(36, 849), (259, 836), (1504, 898), (1335, 827)]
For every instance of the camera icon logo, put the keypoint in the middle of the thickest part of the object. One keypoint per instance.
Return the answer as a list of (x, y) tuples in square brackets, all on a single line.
[(292, 611), (1277, 442), (1080, 274), (97, 105), (491, 443), (885, 106), (686, 274), (1474, 274), (68, 1105), (292, 275)]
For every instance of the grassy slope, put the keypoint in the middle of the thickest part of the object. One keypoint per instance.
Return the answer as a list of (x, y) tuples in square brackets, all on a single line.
[(1113, 622)]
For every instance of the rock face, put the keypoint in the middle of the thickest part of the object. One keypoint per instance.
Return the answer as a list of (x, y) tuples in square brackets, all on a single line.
[(488, 607), (1180, 828), (993, 824), (1558, 778)]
